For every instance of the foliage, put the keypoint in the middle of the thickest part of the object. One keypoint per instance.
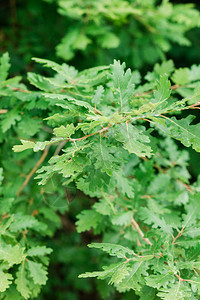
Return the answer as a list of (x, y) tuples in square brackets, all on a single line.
[(99, 157), (106, 124), (139, 32)]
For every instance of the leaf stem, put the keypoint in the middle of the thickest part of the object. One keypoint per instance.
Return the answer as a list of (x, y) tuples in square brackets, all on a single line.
[(28, 177), (135, 225), (178, 235)]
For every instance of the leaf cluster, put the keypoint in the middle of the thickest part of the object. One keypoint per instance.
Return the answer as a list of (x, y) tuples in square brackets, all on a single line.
[(113, 137)]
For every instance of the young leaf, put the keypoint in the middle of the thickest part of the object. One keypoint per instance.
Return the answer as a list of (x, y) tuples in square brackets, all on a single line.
[(182, 130), (177, 291), (5, 281), (113, 249), (116, 273), (159, 280), (22, 282), (123, 84), (88, 219), (38, 251), (64, 131), (37, 272), (11, 254), (25, 145), (133, 139), (163, 89)]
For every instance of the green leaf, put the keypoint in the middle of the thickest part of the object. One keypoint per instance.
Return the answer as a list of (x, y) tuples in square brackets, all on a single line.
[(135, 278), (150, 218), (64, 131), (81, 42), (124, 185), (104, 206), (109, 40), (33, 127), (40, 82), (65, 49), (116, 273), (182, 130), (181, 76), (163, 89), (166, 67), (178, 291), (4, 66), (122, 218), (25, 145), (88, 219), (10, 119), (104, 158), (133, 139), (37, 272), (22, 282), (66, 71), (22, 222), (123, 83), (38, 251), (113, 249), (5, 281), (194, 73), (11, 254), (99, 92), (159, 280)]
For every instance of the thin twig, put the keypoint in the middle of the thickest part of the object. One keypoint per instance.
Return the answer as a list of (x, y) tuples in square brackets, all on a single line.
[(181, 279), (178, 235), (18, 89), (187, 186), (60, 146), (173, 87), (28, 177), (91, 134), (135, 225), (47, 129)]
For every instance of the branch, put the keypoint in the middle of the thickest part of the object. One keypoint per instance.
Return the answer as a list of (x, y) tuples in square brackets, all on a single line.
[(173, 87), (47, 129), (18, 89), (60, 146), (135, 225), (26, 181), (91, 134), (195, 105), (178, 235)]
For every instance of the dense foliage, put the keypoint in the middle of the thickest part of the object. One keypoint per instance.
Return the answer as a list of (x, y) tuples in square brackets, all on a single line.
[(114, 171)]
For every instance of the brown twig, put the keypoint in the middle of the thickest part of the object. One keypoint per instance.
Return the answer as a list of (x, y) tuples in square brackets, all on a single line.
[(60, 146), (181, 279), (173, 87), (178, 235), (135, 225), (47, 129), (187, 186), (18, 89), (91, 134), (28, 177), (195, 105)]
